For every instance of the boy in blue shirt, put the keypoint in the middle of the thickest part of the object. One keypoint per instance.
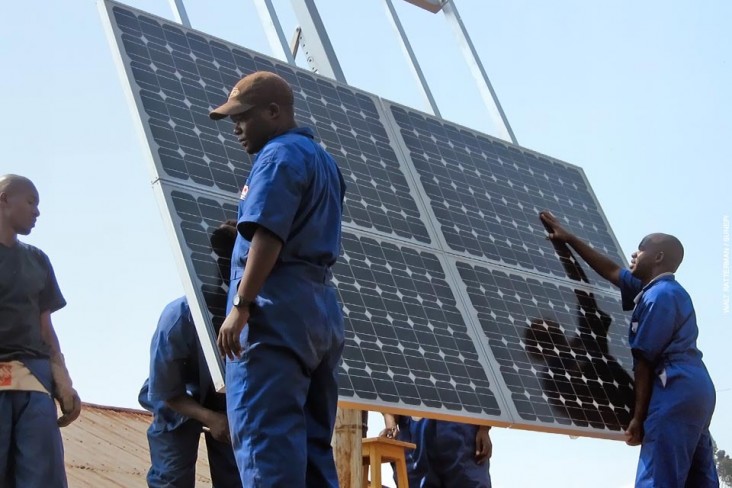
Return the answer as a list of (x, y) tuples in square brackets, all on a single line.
[(674, 395), (181, 396), (283, 335), (448, 454)]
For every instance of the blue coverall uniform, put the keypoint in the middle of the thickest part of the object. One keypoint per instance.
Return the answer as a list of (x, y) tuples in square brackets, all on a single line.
[(178, 367), (282, 391), (444, 456), (31, 449), (677, 449)]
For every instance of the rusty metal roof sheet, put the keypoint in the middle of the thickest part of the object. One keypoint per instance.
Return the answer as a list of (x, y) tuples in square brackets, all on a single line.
[(107, 447)]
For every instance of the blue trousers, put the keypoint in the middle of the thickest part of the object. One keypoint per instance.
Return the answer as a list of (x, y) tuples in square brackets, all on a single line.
[(31, 450), (281, 416), (444, 456), (677, 448), (174, 453)]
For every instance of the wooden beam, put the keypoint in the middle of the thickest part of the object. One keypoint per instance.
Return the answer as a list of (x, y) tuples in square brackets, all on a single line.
[(347, 447)]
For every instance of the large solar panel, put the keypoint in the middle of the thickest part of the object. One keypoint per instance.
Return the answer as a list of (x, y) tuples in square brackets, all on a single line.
[(455, 304), (180, 76), (486, 195)]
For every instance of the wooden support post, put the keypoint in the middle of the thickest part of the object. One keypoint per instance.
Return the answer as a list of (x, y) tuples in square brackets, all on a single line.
[(347, 447)]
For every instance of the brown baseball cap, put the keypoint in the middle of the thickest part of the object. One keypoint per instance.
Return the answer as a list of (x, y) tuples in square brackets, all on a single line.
[(260, 87)]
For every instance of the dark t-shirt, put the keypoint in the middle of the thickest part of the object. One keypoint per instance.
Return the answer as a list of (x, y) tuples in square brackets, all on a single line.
[(28, 288)]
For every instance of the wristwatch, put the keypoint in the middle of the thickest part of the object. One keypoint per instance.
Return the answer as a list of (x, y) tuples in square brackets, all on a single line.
[(241, 302)]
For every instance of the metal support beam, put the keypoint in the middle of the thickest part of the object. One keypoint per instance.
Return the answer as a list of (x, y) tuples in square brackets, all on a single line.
[(273, 30), (476, 67), (315, 42), (411, 57), (179, 12), (295, 42), (433, 6)]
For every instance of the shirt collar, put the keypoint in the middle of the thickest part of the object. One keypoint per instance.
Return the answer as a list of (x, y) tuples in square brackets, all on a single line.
[(662, 276)]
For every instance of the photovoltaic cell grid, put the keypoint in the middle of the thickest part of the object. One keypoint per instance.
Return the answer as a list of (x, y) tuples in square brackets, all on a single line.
[(487, 194), (407, 342), (410, 341), (181, 75), (197, 215), (562, 351)]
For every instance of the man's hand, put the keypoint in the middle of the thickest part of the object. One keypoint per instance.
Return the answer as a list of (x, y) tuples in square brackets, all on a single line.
[(634, 432), (228, 340), (555, 230), (70, 407), (389, 432), (391, 427), (218, 425), (483, 445), (63, 391)]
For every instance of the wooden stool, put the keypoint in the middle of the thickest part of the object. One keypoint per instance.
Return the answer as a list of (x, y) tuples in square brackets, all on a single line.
[(378, 450)]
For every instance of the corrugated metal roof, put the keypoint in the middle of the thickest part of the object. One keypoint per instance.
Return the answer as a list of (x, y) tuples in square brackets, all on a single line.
[(107, 447)]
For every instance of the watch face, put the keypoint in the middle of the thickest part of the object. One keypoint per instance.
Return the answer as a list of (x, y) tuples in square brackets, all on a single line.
[(237, 300)]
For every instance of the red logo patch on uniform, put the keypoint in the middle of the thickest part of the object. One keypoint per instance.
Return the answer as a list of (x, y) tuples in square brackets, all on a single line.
[(6, 375), (244, 192)]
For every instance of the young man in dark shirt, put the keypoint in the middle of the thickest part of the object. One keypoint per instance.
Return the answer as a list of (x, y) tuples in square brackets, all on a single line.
[(32, 370)]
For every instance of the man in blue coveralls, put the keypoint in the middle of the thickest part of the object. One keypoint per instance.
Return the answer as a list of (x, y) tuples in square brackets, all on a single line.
[(283, 336), (448, 454), (181, 395), (32, 369), (674, 395)]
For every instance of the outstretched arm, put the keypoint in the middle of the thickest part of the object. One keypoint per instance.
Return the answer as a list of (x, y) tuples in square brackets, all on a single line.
[(603, 265), (63, 389)]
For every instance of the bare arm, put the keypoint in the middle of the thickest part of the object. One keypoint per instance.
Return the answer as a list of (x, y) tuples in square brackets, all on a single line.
[(215, 421), (263, 253), (643, 385), (390, 425), (603, 265), (62, 385)]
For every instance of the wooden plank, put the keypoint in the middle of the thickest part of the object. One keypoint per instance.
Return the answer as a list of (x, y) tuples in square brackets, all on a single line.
[(347, 447)]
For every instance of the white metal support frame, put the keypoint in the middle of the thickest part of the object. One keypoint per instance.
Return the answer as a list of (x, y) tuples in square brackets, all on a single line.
[(179, 12), (315, 42), (273, 30), (476, 67), (322, 59), (413, 63)]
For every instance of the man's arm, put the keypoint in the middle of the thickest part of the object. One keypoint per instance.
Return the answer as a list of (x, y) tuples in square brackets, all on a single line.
[(216, 422), (63, 389), (263, 253), (390, 426), (603, 265), (643, 385)]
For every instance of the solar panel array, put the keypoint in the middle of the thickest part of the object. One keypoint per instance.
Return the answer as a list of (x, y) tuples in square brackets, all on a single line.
[(456, 306)]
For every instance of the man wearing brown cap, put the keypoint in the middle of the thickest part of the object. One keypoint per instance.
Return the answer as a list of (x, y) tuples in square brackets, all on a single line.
[(283, 335)]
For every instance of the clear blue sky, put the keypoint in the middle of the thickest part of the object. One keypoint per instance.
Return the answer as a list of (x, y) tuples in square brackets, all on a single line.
[(636, 93)]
